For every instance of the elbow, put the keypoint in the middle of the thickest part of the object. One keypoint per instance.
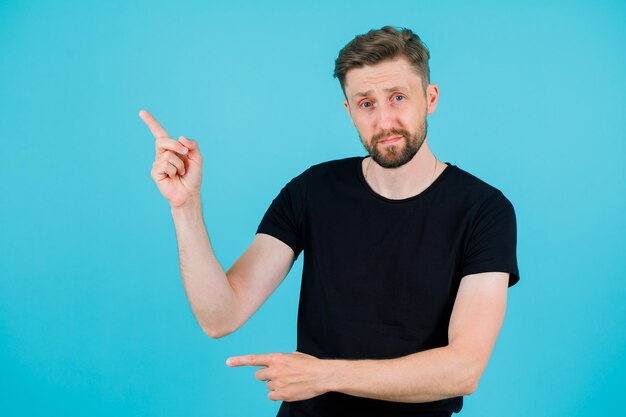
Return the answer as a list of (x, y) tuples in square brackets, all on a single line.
[(468, 369), (212, 325), (468, 383), (216, 332), (469, 388)]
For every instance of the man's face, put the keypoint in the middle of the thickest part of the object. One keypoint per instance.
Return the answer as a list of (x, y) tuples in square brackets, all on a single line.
[(388, 107)]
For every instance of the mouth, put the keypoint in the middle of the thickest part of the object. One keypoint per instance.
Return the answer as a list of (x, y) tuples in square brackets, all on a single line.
[(391, 139)]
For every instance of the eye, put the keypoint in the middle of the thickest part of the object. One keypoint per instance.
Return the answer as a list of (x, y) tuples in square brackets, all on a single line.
[(366, 104), (398, 97)]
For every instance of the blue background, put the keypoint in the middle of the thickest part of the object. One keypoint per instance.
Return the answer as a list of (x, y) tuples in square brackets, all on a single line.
[(93, 316)]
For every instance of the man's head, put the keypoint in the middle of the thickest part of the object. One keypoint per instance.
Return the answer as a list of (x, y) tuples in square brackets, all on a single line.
[(380, 45), (384, 75)]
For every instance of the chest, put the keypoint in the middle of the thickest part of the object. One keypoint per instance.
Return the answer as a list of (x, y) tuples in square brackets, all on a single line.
[(383, 263)]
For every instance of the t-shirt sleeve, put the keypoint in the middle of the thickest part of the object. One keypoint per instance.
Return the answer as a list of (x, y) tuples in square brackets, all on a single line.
[(492, 242), (283, 218)]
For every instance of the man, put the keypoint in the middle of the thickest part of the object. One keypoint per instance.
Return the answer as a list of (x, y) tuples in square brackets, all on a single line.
[(407, 259)]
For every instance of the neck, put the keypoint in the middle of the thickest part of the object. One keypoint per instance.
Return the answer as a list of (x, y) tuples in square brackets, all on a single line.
[(407, 180)]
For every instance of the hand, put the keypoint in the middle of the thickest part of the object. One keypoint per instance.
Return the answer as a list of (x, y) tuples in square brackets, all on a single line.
[(177, 169), (291, 376)]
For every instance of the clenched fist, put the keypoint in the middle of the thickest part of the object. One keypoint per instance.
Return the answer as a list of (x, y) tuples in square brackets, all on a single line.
[(177, 169)]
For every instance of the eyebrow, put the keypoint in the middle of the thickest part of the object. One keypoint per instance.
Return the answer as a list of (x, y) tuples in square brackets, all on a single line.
[(369, 92)]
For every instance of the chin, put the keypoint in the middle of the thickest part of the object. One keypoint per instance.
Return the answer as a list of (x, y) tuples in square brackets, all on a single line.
[(394, 159)]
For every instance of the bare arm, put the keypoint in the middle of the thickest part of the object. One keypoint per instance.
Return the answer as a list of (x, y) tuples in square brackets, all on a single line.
[(222, 302), (444, 372), (430, 375)]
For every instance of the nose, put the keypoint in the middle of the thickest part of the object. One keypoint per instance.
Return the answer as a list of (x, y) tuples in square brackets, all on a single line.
[(385, 117)]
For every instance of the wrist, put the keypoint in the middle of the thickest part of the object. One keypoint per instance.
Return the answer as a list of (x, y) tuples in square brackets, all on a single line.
[(336, 371), (191, 207)]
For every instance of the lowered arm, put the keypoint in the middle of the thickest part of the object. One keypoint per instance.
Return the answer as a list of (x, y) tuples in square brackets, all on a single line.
[(450, 371), (445, 372)]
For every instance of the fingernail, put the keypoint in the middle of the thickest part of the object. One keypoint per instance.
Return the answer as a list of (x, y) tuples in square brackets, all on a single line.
[(229, 361)]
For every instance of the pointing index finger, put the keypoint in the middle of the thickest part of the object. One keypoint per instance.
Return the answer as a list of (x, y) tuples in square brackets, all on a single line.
[(157, 131), (248, 360)]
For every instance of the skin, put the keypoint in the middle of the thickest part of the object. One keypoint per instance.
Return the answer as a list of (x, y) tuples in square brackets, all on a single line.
[(383, 98), (177, 169), (430, 375), (223, 301)]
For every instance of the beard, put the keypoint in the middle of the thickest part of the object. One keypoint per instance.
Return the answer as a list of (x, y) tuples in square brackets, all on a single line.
[(396, 155)]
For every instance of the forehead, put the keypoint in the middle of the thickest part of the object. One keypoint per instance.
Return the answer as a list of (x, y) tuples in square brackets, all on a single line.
[(397, 72)]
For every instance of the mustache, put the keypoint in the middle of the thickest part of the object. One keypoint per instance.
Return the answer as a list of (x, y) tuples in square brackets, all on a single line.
[(391, 132)]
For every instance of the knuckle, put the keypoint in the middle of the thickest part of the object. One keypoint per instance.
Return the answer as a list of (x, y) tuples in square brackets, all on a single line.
[(173, 159), (275, 395), (286, 396), (164, 143)]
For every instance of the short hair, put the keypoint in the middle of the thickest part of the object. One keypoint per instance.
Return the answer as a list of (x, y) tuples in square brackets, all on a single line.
[(380, 45)]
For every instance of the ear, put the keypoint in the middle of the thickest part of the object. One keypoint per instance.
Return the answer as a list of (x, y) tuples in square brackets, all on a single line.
[(432, 97), (347, 106)]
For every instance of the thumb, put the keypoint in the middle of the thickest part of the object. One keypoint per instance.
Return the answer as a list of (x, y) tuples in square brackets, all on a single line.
[(189, 143), (192, 145)]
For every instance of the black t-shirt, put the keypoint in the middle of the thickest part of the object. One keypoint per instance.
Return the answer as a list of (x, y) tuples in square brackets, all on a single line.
[(380, 276)]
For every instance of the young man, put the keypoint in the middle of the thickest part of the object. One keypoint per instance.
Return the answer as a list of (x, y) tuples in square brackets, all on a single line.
[(407, 260)]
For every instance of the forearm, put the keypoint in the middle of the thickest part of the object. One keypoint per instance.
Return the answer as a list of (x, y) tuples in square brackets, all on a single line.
[(208, 290), (421, 377)]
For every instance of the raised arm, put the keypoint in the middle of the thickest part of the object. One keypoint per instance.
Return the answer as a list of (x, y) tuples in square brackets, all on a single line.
[(221, 301)]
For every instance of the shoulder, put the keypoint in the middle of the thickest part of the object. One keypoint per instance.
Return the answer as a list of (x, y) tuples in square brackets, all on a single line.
[(334, 166), (474, 191), (470, 182), (328, 170)]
